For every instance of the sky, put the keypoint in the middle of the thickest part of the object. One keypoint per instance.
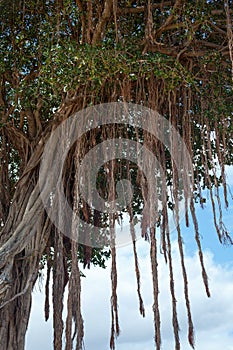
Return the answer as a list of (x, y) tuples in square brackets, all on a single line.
[(212, 317)]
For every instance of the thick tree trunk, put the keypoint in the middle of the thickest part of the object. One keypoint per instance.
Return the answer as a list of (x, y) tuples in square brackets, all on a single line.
[(14, 316), (23, 242), (14, 322)]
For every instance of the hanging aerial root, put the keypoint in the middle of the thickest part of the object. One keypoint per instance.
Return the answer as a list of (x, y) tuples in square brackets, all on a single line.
[(68, 330), (206, 152), (213, 168), (74, 288), (164, 226), (112, 337), (58, 290), (185, 277), (49, 266), (197, 237), (187, 138), (221, 161), (186, 292), (74, 305), (155, 280), (175, 322), (141, 304), (115, 329), (137, 270), (180, 243)]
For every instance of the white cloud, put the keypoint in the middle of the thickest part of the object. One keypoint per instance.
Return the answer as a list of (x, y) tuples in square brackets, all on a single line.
[(212, 316), (229, 174)]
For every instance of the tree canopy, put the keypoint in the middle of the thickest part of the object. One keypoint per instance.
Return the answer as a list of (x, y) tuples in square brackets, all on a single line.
[(58, 57)]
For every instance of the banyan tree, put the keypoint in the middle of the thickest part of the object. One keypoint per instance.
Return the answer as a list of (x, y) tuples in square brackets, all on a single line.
[(164, 69)]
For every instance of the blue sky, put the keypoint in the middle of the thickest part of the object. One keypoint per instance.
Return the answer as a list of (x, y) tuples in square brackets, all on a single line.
[(212, 316)]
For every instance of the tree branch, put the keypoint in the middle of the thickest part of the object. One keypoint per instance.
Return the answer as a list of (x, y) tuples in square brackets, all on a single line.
[(140, 9), (175, 51), (107, 12), (80, 6), (18, 139), (170, 18)]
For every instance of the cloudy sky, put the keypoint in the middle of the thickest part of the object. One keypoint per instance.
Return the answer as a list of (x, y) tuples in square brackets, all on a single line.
[(212, 316)]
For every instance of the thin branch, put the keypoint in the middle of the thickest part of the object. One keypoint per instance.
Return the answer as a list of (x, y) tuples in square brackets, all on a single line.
[(174, 51), (219, 12), (140, 9), (217, 29), (170, 18)]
